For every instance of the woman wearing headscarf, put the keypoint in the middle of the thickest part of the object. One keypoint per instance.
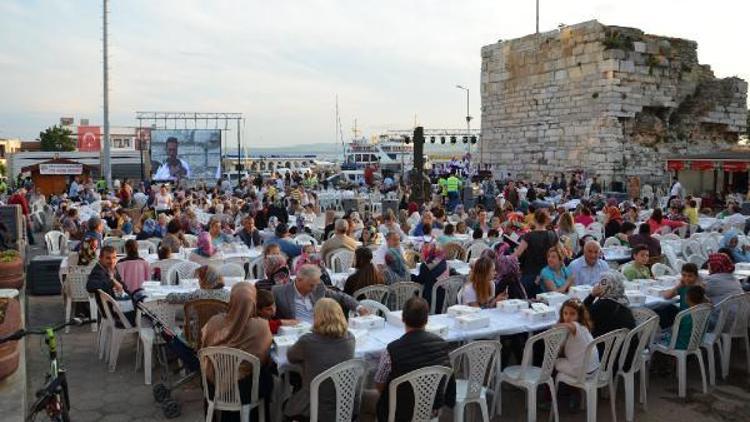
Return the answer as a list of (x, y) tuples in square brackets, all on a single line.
[(277, 272), (730, 241), (720, 282), (395, 267), (205, 250), (433, 267), (508, 275), (608, 305), (612, 218), (241, 328), (210, 286)]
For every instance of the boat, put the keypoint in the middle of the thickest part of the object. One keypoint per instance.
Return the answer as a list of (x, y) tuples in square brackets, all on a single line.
[(381, 152)]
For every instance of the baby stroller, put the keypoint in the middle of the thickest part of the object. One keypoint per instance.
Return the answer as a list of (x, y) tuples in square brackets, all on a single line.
[(174, 357)]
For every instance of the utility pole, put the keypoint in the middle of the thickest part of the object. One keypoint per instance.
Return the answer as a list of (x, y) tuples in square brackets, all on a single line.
[(106, 167), (468, 120), (537, 16)]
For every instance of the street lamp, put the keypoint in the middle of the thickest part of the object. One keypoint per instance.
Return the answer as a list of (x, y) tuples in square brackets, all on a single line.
[(468, 116)]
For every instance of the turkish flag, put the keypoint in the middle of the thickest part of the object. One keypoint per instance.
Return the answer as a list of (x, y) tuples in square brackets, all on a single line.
[(89, 138)]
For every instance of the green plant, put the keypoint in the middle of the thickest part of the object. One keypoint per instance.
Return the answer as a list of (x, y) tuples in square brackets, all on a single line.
[(9, 255), (614, 40), (57, 138)]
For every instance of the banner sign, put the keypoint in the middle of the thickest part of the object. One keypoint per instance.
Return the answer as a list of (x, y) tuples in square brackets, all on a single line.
[(60, 168), (89, 138)]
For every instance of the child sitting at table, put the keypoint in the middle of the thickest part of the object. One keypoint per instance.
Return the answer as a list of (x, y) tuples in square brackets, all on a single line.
[(695, 295), (267, 310), (574, 316), (638, 267)]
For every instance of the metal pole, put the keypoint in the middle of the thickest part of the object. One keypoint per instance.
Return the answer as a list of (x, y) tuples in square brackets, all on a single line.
[(106, 165), (239, 154), (537, 16), (140, 147)]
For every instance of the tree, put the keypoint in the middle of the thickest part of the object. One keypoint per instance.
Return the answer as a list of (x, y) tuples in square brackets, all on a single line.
[(57, 138)]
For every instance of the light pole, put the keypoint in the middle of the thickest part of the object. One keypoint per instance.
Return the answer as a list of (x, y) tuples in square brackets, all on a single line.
[(537, 16), (468, 118)]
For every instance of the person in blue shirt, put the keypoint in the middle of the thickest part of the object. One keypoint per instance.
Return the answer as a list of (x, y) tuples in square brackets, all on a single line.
[(588, 269), (287, 245), (730, 241), (555, 277)]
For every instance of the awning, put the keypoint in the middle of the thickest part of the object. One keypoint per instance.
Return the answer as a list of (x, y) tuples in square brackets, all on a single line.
[(675, 165), (734, 166), (702, 165)]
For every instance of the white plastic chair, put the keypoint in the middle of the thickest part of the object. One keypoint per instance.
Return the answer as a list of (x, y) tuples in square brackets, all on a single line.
[(146, 244), (165, 312), (691, 247), (590, 383), (402, 291), (225, 363), (377, 292), (580, 229), (347, 380), (475, 250), (75, 291), (425, 383), (255, 270), (641, 336), (696, 259), (192, 240), (54, 240), (737, 329), (699, 314), (116, 332), (232, 270), (660, 269), (155, 242), (678, 265), (375, 307), (164, 266), (713, 338), (531, 377), (450, 286), (341, 260), (115, 242), (709, 245), (305, 239), (242, 261), (670, 236), (478, 360), (611, 241), (181, 271)]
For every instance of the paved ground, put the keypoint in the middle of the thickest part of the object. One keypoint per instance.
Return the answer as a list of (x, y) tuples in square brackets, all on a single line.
[(98, 395)]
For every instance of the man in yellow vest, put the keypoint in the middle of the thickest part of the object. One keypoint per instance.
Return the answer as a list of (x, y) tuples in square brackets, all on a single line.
[(453, 187)]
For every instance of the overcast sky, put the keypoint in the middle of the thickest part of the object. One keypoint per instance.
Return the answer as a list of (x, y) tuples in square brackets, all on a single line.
[(282, 63)]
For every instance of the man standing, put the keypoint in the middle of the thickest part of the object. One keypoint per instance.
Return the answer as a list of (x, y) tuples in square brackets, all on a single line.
[(19, 198), (414, 350), (452, 186)]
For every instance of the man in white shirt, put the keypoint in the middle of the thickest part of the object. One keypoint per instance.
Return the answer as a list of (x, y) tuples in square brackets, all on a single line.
[(392, 240), (588, 269), (676, 189), (173, 168)]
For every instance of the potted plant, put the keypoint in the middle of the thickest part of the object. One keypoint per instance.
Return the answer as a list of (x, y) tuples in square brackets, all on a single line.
[(10, 322), (11, 270)]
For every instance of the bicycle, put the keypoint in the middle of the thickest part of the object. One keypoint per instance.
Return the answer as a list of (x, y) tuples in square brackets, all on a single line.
[(53, 397)]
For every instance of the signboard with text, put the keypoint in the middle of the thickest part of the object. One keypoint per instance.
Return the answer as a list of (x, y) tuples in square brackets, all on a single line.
[(60, 168)]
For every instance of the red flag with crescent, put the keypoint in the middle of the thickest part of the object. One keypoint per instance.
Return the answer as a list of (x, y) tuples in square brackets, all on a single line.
[(89, 138)]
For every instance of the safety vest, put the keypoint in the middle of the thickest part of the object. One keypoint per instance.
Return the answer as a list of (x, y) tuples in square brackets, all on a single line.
[(442, 183), (453, 184)]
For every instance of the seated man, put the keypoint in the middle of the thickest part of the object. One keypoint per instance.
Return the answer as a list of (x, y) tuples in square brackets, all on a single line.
[(392, 241), (286, 244), (588, 269), (296, 300), (249, 234), (104, 277), (638, 267), (338, 241), (414, 350)]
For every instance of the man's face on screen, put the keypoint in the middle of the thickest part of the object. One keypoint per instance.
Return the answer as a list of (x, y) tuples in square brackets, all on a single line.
[(172, 150)]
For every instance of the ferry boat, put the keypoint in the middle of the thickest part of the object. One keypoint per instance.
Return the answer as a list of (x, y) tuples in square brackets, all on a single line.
[(383, 152)]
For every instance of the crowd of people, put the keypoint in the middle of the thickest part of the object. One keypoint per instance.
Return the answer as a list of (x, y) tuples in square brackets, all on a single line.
[(532, 245)]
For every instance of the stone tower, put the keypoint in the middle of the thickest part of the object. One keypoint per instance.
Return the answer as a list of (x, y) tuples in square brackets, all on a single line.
[(609, 100)]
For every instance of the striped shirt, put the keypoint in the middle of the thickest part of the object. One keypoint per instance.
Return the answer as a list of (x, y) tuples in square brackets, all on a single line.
[(303, 306)]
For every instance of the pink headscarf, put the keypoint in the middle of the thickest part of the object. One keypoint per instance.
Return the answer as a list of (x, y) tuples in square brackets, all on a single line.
[(205, 246)]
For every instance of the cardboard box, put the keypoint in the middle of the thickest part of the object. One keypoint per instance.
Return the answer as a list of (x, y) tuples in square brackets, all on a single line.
[(580, 292), (458, 310), (512, 305), (439, 329), (473, 321), (366, 322), (295, 330), (539, 312), (553, 299)]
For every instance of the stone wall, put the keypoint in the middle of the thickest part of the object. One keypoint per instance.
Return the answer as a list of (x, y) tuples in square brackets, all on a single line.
[(609, 100)]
